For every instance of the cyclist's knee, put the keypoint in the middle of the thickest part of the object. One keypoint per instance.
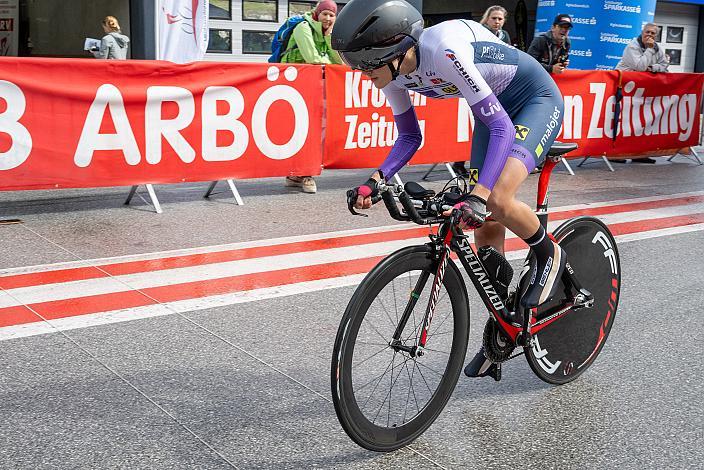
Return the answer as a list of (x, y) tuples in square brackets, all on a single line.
[(499, 204)]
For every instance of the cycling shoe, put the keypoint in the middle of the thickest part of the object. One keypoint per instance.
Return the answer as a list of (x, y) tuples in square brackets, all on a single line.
[(545, 278), (480, 366)]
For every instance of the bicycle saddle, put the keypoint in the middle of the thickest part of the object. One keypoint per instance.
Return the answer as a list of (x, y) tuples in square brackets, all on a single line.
[(561, 148)]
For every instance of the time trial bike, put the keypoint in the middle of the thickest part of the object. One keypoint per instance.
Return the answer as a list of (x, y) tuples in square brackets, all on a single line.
[(402, 340)]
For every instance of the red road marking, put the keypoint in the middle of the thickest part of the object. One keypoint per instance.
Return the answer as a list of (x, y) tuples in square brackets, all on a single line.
[(133, 267), (198, 289)]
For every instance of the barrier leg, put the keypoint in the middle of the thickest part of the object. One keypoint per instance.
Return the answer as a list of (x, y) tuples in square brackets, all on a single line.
[(451, 170), (582, 162), (152, 196), (693, 155), (210, 189), (608, 163), (233, 188), (432, 168), (155, 201), (133, 190), (568, 167), (235, 193), (398, 179)]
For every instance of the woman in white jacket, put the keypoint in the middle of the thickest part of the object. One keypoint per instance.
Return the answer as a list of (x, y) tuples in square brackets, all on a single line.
[(114, 43)]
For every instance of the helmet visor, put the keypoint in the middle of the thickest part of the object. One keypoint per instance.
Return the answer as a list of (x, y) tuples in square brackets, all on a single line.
[(368, 59), (371, 58)]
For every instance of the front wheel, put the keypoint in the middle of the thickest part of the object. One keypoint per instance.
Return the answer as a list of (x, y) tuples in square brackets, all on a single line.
[(384, 395), (566, 348)]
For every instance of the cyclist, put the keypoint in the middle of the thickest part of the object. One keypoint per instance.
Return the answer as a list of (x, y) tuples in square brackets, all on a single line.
[(518, 110)]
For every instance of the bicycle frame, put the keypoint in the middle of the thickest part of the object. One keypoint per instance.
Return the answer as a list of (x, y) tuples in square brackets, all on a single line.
[(451, 239)]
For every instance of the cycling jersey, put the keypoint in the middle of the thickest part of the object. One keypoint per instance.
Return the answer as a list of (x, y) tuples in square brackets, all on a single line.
[(503, 86)]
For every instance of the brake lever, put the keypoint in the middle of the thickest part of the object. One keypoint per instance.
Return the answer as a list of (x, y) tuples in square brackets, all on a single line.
[(352, 195), (351, 199)]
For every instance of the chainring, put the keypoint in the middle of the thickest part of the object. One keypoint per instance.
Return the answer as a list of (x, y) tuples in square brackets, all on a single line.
[(497, 347)]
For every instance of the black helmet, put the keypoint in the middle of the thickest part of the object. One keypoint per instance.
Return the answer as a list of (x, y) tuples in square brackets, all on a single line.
[(371, 33)]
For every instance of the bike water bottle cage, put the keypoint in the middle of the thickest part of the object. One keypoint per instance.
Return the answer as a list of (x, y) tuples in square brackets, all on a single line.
[(498, 268)]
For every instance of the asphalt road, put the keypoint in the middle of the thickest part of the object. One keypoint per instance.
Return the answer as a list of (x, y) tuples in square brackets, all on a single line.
[(245, 383)]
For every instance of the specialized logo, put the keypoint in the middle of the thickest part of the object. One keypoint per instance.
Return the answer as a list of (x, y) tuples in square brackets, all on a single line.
[(553, 125), (482, 277), (460, 68), (491, 110), (522, 132)]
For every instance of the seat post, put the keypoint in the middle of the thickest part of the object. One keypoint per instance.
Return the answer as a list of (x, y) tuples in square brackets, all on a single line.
[(541, 208)]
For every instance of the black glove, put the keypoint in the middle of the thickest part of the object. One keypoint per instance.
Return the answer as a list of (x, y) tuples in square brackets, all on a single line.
[(474, 211), (368, 189)]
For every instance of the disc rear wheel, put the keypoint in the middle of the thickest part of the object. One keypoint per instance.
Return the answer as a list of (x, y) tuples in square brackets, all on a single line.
[(564, 349)]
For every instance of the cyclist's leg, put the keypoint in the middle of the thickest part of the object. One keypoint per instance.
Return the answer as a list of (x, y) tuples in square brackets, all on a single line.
[(544, 113), (491, 233)]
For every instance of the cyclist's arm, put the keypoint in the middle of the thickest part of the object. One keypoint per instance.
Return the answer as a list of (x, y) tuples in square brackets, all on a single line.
[(409, 134), (456, 63)]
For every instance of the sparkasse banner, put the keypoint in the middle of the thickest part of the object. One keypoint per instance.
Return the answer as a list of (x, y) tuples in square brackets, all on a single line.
[(602, 28), (114, 123)]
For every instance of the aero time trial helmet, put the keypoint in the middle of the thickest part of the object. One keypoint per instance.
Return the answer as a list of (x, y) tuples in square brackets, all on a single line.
[(371, 33)]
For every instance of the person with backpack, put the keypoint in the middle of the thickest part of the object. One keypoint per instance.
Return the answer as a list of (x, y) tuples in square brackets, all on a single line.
[(309, 43)]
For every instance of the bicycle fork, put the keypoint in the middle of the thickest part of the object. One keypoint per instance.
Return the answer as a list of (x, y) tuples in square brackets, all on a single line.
[(417, 349)]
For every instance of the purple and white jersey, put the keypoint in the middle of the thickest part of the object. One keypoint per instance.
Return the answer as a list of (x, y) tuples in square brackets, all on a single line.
[(457, 59)]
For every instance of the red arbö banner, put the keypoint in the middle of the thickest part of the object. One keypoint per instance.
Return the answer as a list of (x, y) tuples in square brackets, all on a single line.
[(90, 123)]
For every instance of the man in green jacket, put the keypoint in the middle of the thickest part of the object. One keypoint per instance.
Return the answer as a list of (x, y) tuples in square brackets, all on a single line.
[(310, 44)]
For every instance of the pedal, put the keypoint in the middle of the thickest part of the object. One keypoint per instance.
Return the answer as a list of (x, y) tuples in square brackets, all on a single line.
[(584, 299)]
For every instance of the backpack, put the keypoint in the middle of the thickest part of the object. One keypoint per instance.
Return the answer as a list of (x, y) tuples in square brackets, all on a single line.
[(280, 42)]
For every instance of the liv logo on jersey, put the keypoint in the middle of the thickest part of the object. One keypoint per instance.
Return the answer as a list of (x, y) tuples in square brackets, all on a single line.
[(450, 54), (493, 109)]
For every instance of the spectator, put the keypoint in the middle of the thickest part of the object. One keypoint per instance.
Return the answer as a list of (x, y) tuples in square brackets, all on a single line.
[(494, 19), (643, 54), (310, 44), (552, 48), (114, 43)]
